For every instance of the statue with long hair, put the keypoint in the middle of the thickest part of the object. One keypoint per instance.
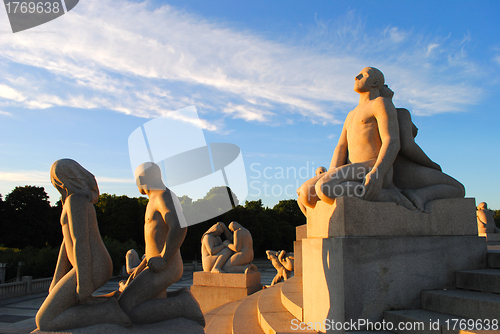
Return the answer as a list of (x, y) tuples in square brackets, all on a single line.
[(84, 264)]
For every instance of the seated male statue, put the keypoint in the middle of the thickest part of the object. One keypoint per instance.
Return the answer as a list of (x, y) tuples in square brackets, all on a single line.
[(162, 265), (366, 162), (485, 220)]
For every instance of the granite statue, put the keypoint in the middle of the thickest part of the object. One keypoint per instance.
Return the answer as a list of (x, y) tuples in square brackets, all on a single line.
[(84, 264), (376, 158), (144, 298), (241, 243), (214, 253), (282, 262), (485, 220)]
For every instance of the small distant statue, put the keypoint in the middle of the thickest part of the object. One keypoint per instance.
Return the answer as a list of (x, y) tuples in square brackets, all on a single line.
[(377, 159), (144, 297), (214, 253), (320, 170), (234, 255), (485, 221), (84, 264), (283, 263), (132, 260)]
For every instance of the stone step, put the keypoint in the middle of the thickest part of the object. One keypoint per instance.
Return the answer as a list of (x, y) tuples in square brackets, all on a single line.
[(222, 320), (494, 258), (467, 304), (246, 318), (291, 296), (421, 321), (274, 318), (486, 280)]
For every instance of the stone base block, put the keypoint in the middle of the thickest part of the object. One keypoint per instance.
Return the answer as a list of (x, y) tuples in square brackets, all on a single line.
[(351, 216), (172, 326), (355, 278), (213, 290), (493, 239)]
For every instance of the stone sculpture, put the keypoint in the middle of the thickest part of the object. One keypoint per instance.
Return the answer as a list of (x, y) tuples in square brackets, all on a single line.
[(282, 262), (144, 297), (241, 244), (485, 220), (376, 156), (214, 253), (234, 255), (84, 264), (132, 260)]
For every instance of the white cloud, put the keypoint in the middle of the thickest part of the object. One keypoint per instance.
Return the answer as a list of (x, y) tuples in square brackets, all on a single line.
[(10, 93), (431, 47), (5, 113), (27, 177), (168, 59)]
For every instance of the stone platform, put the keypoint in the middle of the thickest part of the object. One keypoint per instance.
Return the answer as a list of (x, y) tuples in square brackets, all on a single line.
[(213, 290), (362, 258), (173, 326)]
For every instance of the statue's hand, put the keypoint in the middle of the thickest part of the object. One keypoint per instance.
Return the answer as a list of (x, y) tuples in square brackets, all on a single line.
[(373, 185), (226, 242), (157, 264)]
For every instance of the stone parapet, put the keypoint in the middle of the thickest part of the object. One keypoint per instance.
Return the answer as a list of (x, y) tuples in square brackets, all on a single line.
[(353, 217)]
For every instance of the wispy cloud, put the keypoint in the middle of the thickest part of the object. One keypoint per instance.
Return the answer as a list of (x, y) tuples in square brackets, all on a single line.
[(27, 177), (169, 59), (43, 178), (5, 113)]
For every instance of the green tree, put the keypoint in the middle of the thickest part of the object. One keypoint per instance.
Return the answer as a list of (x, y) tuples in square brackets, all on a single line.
[(497, 218), (289, 211), (121, 217), (28, 219)]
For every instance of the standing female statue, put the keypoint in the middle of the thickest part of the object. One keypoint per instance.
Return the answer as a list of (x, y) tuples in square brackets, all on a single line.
[(84, 264)]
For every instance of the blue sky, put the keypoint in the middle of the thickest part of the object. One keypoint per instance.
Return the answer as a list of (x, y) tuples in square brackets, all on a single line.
[(273, 77)]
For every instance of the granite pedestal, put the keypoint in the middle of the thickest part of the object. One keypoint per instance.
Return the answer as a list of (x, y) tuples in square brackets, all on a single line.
[(362, 258), (213, 290)]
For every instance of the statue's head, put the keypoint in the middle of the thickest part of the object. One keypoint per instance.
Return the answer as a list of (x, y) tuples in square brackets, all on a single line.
[(482, 206), (271, 254), (69, 177), (234, 226), (148, 177), (369, 78), (320, 170)]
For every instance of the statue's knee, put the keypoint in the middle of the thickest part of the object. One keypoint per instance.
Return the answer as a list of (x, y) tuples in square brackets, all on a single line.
[(42, 322)]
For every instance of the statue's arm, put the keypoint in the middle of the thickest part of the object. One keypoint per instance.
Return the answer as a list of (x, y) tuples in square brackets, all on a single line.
[(63, 266), (175, 236), (79, 229), (340, 153), (209, 243), (236, 245), (387, 119)]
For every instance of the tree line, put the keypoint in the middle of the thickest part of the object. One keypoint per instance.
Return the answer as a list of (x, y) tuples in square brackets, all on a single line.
[(31, 231)]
